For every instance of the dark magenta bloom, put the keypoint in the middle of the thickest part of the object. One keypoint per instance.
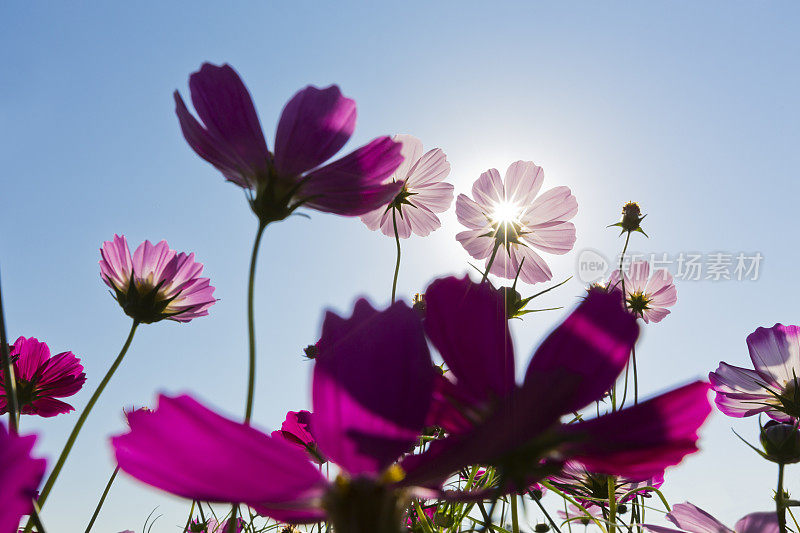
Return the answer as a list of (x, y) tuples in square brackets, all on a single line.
[(20, 475), (41, 379), (314, 126), (373, 380), (296, 429), (517, 428)]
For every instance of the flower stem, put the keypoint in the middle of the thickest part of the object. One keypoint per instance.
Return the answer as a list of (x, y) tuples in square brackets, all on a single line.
[(251, 327), (514, 514), (397, 264), (10, 382), (491, 260), (102, 499), (48, 486), (189, 520), (612, 504), (780, 506)]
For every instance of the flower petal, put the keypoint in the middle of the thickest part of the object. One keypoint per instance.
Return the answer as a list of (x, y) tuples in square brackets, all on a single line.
[(354, 184), (758, 523), (471, 214), (239, 463), (692, 518), (523, 181), (411, 152), (740, 391), (467, 324), (373, 380), (643, 440), (315, 124), (20, 475), (775, 353)]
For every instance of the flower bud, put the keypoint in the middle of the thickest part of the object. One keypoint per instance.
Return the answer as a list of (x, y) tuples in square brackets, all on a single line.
[(631, 218), (541, 528), (311, 351), (781, 442)]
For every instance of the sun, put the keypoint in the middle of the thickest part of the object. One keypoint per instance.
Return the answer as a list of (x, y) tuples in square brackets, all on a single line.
[(505, 213)]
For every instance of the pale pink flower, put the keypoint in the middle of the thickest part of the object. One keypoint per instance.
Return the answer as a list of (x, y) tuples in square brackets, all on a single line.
[(647, 297), (512, 214), (424, 192)]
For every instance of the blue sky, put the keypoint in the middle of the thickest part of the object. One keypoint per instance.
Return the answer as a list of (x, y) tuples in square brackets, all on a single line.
[(690, 109)]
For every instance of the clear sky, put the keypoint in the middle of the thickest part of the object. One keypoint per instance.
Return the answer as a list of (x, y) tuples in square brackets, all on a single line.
[(689, 108)]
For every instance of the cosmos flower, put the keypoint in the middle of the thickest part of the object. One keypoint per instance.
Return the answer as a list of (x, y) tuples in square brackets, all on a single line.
[(424, 192), (315, 125), (41, 379), (591, 489), (647, 297), (510, 220), (772, 388), (372, 386), (156, 283), (692, 519), (518, 429), (20, 475), (296, 429)]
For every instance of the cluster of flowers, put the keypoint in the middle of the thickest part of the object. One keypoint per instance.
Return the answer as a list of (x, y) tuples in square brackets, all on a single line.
[(413, 445)]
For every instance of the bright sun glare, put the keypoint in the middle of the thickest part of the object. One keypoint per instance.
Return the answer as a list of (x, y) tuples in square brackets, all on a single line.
[(505, 212)]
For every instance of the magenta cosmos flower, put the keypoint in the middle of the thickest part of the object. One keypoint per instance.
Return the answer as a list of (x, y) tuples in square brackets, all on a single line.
[(647, 297), (423, 194), (41, 379), (509, 220), (296, 429), (156, 282), (692, 519), (372, 385), (591, 489), (20, 475), (315, 125), (517, 428), (771, 388)]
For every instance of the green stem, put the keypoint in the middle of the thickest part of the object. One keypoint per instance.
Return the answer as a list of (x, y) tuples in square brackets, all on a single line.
[(491, 260), (547, 515), (10, 381), (779, 503), (189, 520), (635, 376), (35, 518), (397, 264), (48, 486), (612, 504), (251, 326), (514, 514), (102, 499)]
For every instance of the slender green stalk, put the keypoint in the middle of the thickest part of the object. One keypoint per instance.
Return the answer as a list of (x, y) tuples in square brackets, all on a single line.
[(397, 264), (251, 325), (635, 376), (612, 504), (514, 514), (547, 515), (102, 499), (189, 520), (35, 518), (491, 260), (48, 486), (10, 381), (780, 505)]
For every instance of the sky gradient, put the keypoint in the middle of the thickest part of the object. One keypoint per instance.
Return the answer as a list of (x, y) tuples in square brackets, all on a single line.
[(689, 109)]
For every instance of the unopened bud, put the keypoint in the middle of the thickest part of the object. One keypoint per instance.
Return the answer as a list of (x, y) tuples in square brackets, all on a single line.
[(781, 442)]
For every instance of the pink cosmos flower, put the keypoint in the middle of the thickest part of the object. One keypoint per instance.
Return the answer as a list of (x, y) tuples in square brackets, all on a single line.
[(156, 283), (372, 385), (412, 519), (647, 297), (296, 429), (20, 475), (40, 379), (511, 218), (424, 192), (591, 489), (772, 388), (692, 519), (572, 368), (315, 125)]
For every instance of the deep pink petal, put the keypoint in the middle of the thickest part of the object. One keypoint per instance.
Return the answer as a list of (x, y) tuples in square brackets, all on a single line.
[(20, 475), (373, 380), (583, 356), (467, 324), (315, 124), (643, 440), (354, 184), (188, 450), (116, 264)]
